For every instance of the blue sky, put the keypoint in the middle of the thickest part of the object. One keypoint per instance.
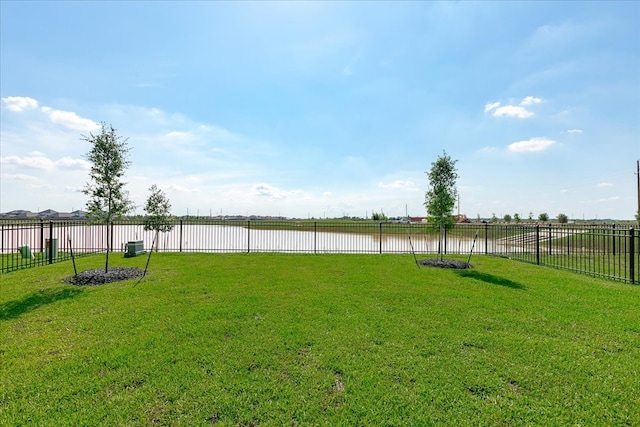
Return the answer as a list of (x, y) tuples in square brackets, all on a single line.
[(313, 109)]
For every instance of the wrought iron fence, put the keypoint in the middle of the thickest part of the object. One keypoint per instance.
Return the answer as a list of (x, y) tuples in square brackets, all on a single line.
[(606, 251)]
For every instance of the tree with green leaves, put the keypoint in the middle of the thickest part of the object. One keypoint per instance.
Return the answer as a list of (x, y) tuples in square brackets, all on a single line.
[(562, 218), (543, 217), (516, 218), (158, 218), (441, 197), (108, 199), (158, 210)]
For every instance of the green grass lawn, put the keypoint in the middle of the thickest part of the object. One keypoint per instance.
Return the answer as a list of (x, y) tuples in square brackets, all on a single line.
[(271, 339)]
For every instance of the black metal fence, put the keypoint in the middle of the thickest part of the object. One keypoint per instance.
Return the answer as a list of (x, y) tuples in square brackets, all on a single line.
[(605, 250)]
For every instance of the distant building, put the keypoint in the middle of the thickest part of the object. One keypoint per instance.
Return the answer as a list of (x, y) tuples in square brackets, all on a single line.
[(462, 219), (46, 214)]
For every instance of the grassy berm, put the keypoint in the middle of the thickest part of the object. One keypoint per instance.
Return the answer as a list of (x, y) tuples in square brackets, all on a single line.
[(272, 339)]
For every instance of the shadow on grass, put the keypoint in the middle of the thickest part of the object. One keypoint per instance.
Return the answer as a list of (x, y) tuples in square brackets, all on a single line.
[(490, 278), (13, 309)]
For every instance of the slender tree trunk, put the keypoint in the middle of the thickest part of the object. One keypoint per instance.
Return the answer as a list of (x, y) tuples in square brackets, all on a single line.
[(441, 249), (106, 264)]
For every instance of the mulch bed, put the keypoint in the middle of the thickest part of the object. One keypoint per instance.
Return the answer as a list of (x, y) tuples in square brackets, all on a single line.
[(99, 277), (447, 263)]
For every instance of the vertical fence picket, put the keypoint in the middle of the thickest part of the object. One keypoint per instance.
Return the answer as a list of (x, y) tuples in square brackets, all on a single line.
[(632, 256), (605, 251)]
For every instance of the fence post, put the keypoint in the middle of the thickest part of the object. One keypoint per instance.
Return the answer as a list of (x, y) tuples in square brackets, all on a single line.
[(315, 237), (248, 236), (41, 235), (538, 244), (380, 234), (444, 251), (614, 240), (50, 242), (486, 238), (110, 237), (180, 236), (632, 255)]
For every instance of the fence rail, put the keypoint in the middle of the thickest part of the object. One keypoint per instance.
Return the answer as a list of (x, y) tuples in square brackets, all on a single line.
[(605, 251)]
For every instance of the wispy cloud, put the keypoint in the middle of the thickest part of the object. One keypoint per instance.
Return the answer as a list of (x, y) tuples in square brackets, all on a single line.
[(530, 100), (19, 103), (71, 163), (513, 110), (604, 185), (67, 119), (29, 162), (269, 191), (531, 145), (490, 106), (574, 131), (18, 177), (70, 119), (399, 184)]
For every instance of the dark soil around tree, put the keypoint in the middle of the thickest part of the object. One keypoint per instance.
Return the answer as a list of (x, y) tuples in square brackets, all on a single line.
[(447, 263), (99, 277)]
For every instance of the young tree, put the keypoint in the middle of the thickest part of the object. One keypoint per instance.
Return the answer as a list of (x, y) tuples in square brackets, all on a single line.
[(543, 217), (440, 199), (516, 218), (158, 218), (562, 218), (507, 218), (157, 207), (108, 200)]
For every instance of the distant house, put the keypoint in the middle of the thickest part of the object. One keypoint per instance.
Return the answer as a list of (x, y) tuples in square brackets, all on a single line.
[(48, 214), (462, 219), (78, 214), (19, 214)]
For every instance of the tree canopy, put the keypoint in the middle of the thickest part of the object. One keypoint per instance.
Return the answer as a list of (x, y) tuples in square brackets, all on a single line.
[(441, 197), (108, 199), (158, 208)]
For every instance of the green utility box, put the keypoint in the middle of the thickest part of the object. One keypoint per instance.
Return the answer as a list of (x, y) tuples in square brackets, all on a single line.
[(134, 248), (25, 251), (51, 248)]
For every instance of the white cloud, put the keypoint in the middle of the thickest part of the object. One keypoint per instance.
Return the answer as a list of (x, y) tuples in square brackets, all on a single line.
[(487, 149), (18, 177), (19, 103), (274, 193), (530, 100), (30, 162), (604, 185), (491, 106), (183, 189), (512, 111), (531, 145), (38, 161), (398, 184), (519, 111), (70, 119), (574, 131), (71, 163)]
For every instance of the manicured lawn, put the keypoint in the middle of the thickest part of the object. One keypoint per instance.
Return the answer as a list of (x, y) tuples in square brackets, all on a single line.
[(271, 339)]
